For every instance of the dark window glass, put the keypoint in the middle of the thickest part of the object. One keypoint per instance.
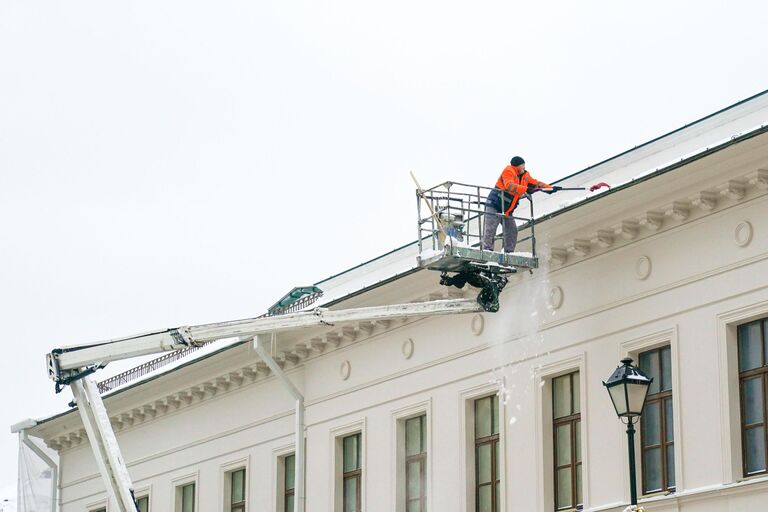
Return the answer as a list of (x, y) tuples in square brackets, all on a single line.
[(143, 503), (289, 477), (753, 382), (751, 347), (416, 464), (188, 498), (237, 496), (487, 478), (657, 434), (566, 409), (352, 473)]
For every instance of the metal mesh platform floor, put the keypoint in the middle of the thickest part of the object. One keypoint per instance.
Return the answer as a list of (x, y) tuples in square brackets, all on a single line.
[(457, 259)]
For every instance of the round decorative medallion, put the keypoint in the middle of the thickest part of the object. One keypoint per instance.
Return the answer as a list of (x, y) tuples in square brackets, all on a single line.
[(743, 233), (345, 369), (556, 297), (477, 324), (407, 348), (643, 268)]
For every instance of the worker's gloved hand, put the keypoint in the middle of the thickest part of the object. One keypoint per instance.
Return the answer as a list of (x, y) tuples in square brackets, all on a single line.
[(531, 189)]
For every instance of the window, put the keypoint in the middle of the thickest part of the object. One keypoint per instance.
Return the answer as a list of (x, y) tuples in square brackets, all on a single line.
[(351, 473), (487, 454), (753, 379), (100, 510), (237, 490), (416, 464), (289, 485), (143, 503), (185, 498), (566, 425), (656, 425)]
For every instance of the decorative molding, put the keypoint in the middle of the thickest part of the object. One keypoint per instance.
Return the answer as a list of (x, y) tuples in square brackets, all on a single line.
[(707, 200), (742, 235), (679, 210), (627, 229), (643, 268), (407, 348), (345, 369), (580, 246), (555, 297), (477, 324), (685, 209), (736, 190), (604, 238), (760, 180), (559, 256), (653, 220)]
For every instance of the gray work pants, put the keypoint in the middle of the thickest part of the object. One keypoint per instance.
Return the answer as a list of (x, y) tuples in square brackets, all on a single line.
[(509, 229)]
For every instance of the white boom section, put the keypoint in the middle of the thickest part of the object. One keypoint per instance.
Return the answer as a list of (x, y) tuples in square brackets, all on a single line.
[(320, 316), (103, 443), (69, 365), (79, 356)]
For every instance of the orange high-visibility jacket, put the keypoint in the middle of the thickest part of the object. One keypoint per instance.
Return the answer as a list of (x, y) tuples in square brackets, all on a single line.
[(515, 185)]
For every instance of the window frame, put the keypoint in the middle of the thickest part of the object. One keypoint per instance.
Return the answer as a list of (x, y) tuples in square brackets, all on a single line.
[(633, 348), (662, 397), (336, 435), (240, 506), (421, 458), (353, 474), (494, 440), (467, 464), (180, 496), (398, 418), (177, 485), (101, 505), (142, 496), (284, 491), (226, 472), (544, 415), (760, 372), (572, 420)]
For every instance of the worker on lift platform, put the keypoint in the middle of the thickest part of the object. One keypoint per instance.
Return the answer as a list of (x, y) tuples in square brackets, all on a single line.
[(513, 183)]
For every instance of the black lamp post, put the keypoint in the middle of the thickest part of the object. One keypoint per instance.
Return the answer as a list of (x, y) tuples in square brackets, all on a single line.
[(628, 387)]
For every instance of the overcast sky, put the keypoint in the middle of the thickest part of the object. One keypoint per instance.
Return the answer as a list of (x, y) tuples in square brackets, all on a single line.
[(178, 162)]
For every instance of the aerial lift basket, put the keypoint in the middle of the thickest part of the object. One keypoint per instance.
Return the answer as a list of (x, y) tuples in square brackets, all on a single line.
[(450, 237)]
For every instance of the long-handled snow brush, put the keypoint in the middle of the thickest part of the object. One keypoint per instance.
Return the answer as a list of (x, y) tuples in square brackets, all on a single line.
[(594, 187)]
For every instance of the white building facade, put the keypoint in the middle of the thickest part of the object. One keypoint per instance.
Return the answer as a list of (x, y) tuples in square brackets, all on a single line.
[(504, 411)]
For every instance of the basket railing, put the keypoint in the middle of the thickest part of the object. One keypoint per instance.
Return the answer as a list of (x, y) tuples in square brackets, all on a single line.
[(456, 212)]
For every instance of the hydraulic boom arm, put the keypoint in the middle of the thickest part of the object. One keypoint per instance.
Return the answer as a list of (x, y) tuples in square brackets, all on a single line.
[(75, 365)]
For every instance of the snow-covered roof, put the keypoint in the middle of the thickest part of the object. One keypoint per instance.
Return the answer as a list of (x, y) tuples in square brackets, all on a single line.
[(654, 156)]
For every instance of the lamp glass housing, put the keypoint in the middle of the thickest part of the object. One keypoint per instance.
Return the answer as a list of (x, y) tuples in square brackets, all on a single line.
[(628, 387)]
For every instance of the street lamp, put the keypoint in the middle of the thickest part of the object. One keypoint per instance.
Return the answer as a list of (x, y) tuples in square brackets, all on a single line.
[(628, 387)]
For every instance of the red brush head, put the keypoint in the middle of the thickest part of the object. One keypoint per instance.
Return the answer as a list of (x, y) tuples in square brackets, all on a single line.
[(598, 186)]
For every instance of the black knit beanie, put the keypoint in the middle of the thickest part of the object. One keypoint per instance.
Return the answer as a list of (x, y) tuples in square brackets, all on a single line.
[(517, 161)]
